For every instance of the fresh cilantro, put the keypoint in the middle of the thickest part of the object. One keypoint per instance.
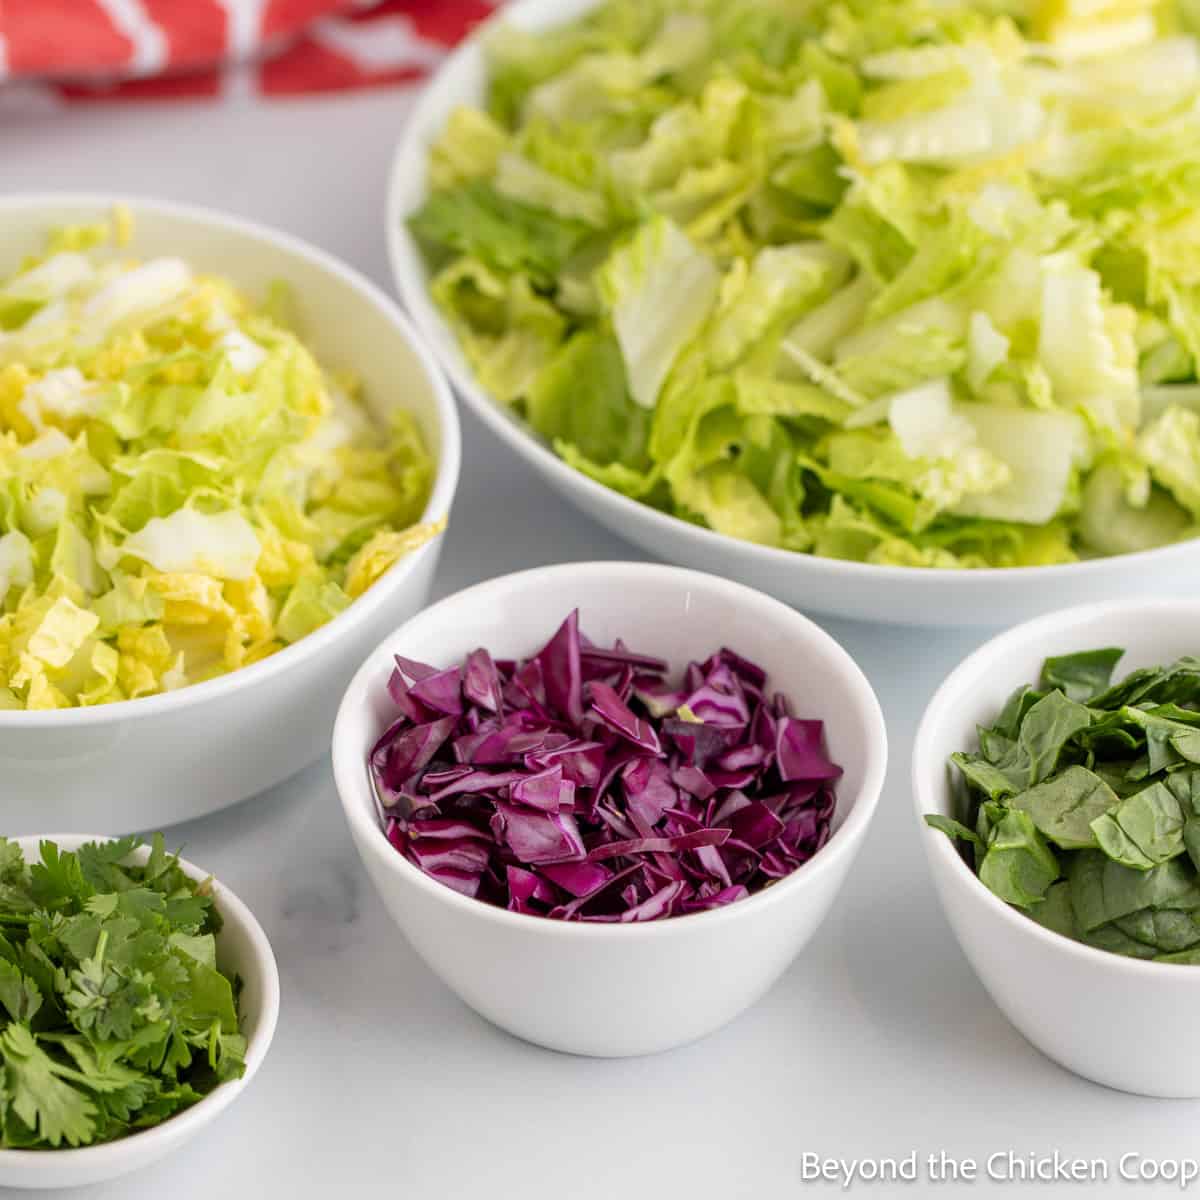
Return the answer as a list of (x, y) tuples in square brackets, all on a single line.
[(113, 1013), (41, 1097), (18, 993)]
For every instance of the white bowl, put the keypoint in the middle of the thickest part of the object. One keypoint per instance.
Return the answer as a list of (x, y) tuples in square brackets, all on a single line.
[(242, 949), (612, 990), (150, 763), (893, 595), (1070, 1000)]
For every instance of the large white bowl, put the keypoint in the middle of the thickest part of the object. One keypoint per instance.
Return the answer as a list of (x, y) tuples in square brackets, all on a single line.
[(153, 762), (242, 949), (631, 989), (1070, 1000), (899, 595)]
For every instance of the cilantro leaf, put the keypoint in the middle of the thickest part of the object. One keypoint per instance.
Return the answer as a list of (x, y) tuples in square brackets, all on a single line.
[(16, 898), (18, 993), (39, 1092), (57, 881), (12, 862), (99, 863)]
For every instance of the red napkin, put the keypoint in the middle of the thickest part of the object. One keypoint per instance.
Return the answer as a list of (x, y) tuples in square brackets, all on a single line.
[(161, 49)]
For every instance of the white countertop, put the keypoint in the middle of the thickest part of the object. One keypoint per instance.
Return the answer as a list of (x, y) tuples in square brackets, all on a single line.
[(878, 1042)]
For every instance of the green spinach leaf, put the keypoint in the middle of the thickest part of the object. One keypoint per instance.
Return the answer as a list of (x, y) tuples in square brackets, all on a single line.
[(952, 828), (1055, 912), (1014, 711), (1144, 829), (1167, 930), (981, 774), (1065, 806), (1115, 941), (1082, 676), (1103, 890), (1018, 866)]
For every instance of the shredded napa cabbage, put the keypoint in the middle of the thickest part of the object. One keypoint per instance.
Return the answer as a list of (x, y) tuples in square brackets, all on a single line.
[(184, 489), (910, 282)]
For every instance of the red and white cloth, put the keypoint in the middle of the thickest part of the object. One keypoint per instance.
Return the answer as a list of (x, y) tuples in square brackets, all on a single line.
[(184, 49)]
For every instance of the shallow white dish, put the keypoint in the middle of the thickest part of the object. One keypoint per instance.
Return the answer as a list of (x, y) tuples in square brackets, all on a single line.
[(242, 949), (893, 595), (1068, 999), (154, 762), (611, 990)]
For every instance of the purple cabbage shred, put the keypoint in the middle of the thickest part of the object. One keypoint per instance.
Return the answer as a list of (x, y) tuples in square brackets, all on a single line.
[(582, 785)]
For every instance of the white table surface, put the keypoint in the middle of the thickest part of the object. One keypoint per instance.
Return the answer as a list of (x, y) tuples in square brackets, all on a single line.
[(878, 1041)]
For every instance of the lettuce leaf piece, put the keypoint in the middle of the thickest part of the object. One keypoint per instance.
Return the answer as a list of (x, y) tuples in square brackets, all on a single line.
[(519, 60), (508, 331), (16, 562), (686, 136), (1087, 348), (519, 179), (1041, 452), (1170, 446), (959, 464), (659, 289), (1082, 31), (468, 148), (1110, 524), (819, 331), (130, 601), (728, 469), (759, 395), (781, 283), (728, 502), (878, 222), (309, 605), (582, 399), (156, 483), (976, 123), (220, 544), (477, 221)]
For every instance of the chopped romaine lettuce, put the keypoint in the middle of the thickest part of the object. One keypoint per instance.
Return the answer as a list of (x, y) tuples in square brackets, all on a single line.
[(911, 283)]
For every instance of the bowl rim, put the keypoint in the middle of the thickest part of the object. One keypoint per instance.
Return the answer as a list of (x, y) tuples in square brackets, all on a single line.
[(351, 780), (409, 162), (441, 496), (235, 912), (928, 793)]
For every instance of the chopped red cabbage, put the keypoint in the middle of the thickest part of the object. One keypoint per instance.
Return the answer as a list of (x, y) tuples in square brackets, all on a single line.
[(581, 784)]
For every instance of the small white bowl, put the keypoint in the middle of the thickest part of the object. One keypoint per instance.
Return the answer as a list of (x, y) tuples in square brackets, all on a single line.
[(612, 990), (1070, 1000), (242, 949), (153, 762), (890, 595)]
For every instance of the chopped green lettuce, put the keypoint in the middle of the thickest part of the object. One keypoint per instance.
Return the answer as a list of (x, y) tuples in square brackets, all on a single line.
[(183, 489), (914, 283), (658, 290)]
